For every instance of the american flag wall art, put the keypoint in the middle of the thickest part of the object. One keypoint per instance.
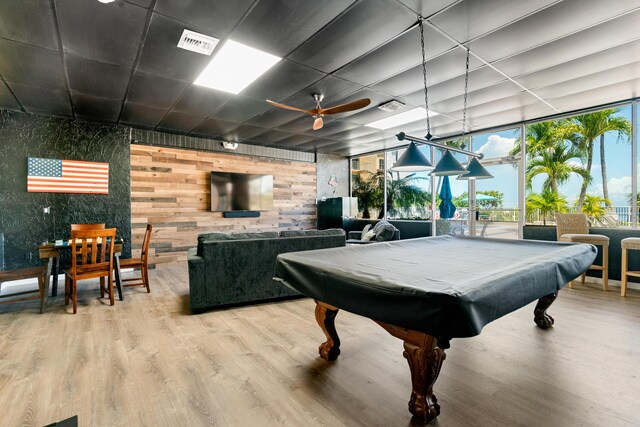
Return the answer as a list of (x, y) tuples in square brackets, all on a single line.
[(67, 176)]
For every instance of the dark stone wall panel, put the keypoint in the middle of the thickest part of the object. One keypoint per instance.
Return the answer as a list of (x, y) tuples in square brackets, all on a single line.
[(21, 216)]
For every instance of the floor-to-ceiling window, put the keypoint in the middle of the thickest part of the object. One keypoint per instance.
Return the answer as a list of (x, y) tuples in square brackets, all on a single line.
[(583, 164), (496, 199)]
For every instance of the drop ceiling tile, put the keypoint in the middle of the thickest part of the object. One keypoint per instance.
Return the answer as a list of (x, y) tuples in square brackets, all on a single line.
[(362, 28), (294, 140), (472, 18), (241, 133), (426, 8), (479, 79), (440, 69), (109, 33), (177, 122), (201, 101), (141, 3), (31, 65), (625, 54), (93, 108), (213, 127), (581, 44), (279, 26), (595, 80), (7, 100), (219, 15), (29, 21), (494, 92), (274, 118), (282, 81), (42, 101), (376, 98), (141, 115), (97, 79), (268, 137), (154, 91), (400, 54), (240, 109), (559, 20), (161, 55), (598, 96), (353, 133)]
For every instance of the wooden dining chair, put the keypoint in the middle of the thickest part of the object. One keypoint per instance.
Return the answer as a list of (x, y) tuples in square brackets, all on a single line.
[(87, 226), (139, 263), (91, 257)]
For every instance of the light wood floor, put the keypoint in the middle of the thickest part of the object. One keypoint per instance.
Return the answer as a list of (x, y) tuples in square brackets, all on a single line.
[(147, 361)]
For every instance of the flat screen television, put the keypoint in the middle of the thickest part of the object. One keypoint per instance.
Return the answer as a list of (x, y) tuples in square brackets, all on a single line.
[(241, 192)]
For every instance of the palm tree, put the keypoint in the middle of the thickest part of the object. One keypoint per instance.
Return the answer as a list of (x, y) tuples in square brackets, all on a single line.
[(369, 193), (545, 203), (402, 193), (591, 126), (555, 161), (595, 206)]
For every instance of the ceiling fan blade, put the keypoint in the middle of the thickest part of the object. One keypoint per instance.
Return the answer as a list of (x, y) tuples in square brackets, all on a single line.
[(318, 123), (350, 106), (287, 107)]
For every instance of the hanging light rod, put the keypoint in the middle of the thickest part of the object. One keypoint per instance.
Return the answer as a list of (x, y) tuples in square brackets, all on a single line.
[(402, 136)]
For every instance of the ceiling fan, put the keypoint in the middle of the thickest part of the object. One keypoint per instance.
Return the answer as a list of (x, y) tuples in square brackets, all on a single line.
[(318, 112)]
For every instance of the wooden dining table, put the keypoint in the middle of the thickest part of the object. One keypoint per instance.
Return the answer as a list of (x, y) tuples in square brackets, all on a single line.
[(50, 253)]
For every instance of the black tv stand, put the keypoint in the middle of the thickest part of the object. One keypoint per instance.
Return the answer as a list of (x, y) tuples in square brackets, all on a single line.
[(241, 214)]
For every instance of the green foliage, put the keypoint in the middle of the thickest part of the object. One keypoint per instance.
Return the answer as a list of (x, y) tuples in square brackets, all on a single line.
[(595, 206), (369, 193), (403, 194), (545, 203)]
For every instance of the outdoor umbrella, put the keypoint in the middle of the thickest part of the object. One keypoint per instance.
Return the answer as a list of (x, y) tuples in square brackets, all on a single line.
[(484, 197), (447, 208)]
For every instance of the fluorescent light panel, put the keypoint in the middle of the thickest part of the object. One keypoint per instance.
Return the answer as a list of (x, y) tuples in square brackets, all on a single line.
[(402, 118), (235, 67)]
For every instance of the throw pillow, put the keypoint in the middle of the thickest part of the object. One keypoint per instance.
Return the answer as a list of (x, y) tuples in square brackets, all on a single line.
[(368, 236), (366, 229), (385, 233)]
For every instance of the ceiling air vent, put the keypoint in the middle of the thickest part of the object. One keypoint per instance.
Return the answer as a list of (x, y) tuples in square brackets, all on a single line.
[(391, 106), (196, 42)]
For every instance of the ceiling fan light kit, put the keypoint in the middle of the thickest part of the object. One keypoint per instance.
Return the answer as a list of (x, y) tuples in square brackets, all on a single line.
[(319, 112)]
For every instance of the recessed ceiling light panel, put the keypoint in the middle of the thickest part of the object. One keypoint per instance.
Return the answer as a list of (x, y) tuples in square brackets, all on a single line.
[(401, 119), (235, 67)]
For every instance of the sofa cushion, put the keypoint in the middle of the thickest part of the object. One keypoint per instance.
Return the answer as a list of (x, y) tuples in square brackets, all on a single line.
[(297, 233), (233, 236)]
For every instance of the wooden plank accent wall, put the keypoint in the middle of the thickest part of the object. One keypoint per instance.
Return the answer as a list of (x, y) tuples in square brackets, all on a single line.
[(170, 189)]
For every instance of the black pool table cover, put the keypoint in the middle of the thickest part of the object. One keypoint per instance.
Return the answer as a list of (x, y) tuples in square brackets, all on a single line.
[(443, 286)]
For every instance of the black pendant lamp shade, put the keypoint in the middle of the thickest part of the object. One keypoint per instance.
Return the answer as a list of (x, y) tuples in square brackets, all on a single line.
[(448, 165), (475, 171), (412, 160)]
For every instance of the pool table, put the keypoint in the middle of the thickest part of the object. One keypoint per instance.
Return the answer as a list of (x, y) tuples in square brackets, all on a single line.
[(430, 290)]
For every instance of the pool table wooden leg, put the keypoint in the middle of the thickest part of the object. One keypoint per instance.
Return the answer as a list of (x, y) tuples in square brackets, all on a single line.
[(540, 316), (325, 316), (425, 361)]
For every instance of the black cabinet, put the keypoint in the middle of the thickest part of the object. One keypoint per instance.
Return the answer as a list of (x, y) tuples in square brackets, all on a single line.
[(332, 210)]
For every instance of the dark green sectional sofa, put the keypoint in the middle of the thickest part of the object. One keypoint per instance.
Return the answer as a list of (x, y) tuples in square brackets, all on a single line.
[(238, 268)]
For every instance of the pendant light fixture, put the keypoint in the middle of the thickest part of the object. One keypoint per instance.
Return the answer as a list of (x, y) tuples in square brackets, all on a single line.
[(475, 170), (412, 160)]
